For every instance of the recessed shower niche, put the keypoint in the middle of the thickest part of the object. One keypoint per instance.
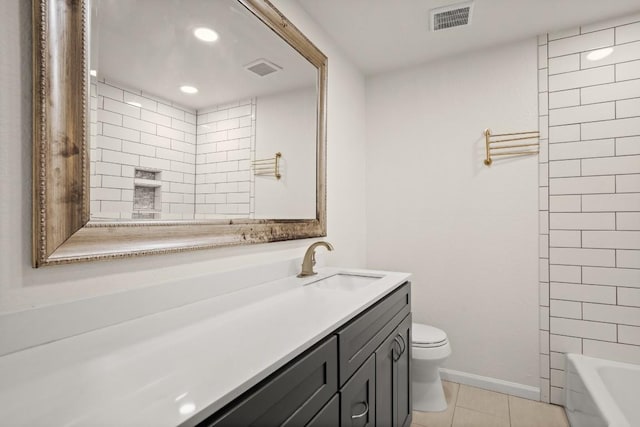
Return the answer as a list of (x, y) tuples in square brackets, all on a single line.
[(147, 191)]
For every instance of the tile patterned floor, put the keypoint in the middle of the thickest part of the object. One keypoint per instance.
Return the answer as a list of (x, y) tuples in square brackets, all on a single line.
[(475, 407)]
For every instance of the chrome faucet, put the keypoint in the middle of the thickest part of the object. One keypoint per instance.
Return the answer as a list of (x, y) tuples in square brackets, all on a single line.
[(310, 258)]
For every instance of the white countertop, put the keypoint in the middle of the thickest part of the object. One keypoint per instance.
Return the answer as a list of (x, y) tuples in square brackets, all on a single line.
[(162, 369)]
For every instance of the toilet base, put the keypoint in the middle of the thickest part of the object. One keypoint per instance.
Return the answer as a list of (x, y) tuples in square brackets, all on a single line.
[(428, 394)]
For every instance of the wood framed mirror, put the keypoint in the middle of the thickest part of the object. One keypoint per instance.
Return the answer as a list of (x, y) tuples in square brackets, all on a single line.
[(66, 225)]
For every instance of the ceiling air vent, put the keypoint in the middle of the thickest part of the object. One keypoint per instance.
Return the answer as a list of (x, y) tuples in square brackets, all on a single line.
[(455, 15), (262, 67)]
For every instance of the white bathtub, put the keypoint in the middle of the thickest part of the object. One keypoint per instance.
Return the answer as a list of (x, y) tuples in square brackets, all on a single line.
[(601, 393)]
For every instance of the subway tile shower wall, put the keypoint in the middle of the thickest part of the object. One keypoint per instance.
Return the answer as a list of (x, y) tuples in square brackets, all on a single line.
[(130, 131), (589, 197), (226, 145), (202, 157)]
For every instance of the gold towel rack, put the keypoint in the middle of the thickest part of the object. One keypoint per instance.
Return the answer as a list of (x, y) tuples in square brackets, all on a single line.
[(508, 149), (270, 166)]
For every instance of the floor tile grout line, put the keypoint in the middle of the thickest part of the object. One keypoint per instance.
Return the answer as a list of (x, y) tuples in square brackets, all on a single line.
[(455, 405), (511, 419)]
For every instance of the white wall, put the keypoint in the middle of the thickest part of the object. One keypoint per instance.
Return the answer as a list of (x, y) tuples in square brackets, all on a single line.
[(286, 124), (467, 232), (22, 287), (590, 111)]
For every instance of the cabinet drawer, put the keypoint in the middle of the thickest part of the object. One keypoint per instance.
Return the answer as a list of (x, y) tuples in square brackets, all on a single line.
[(329, 416), (362, 336), (292, 397)]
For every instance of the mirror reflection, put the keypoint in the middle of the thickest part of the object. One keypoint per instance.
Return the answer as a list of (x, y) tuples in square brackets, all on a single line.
[(191, 101)]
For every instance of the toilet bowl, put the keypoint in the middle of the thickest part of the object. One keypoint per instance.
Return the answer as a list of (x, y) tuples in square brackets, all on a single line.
[(429, 347)]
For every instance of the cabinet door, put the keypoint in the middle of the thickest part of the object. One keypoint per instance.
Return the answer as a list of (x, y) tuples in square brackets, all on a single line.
[(358, 397), (403, 377), (393, 377)]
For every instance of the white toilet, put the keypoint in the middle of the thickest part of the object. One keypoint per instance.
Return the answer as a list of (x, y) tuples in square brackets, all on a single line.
[(430, 347)]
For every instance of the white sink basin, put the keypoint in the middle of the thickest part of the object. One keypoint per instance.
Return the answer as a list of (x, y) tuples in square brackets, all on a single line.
[(345, 281)]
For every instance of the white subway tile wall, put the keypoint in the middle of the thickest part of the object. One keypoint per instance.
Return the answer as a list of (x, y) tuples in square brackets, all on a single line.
[(590, 283), (131, 130), (135, 131), (226, 147)]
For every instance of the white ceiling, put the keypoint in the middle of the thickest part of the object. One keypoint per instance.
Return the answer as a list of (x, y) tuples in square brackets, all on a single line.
[(380, 35), (149, 45)]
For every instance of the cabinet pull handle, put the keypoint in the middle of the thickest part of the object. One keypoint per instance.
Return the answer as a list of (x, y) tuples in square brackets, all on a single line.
[(399, 351), (366, 410), (404, 343)]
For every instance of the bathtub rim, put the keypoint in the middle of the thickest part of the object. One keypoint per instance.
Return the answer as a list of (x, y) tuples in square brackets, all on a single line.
[(587, 368)]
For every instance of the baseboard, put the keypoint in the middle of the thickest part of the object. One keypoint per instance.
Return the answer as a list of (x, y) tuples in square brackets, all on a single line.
[(493, 384)]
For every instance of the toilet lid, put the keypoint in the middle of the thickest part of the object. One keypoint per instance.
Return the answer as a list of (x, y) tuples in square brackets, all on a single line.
[(423, 335)]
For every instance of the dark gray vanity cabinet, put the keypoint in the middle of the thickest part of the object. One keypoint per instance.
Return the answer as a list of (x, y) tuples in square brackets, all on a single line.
[(358, 397), (359, 376), (293, 397), (393, 378), (329, 415), (361, 337)]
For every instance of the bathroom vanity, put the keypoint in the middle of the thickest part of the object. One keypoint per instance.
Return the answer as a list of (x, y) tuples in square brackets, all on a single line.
[(327, 350), (357, 376)]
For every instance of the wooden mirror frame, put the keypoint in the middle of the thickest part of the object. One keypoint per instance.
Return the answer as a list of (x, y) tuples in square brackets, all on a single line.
[(62, 230)]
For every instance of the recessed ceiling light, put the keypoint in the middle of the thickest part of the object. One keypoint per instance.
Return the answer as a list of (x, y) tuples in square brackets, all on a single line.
[(94, 73), (205, 34), (599, 54), (135, 104), (188, 89)]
